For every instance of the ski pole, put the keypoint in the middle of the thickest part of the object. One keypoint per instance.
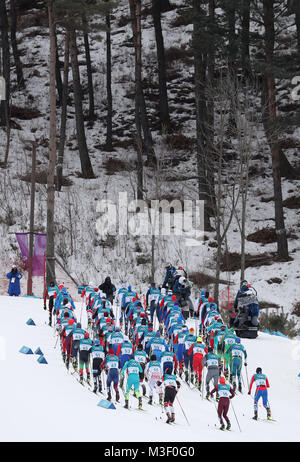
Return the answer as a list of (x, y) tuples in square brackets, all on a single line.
[(182, 411), (236, 418), (247, 375), (81, 308)]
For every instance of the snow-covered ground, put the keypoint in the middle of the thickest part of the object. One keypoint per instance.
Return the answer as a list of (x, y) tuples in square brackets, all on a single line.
[(43, 402)]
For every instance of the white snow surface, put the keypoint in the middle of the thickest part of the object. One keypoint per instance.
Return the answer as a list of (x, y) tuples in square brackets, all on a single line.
[(36, 398)]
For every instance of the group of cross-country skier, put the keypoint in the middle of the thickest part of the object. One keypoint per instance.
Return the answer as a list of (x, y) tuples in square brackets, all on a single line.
[(153, 344)]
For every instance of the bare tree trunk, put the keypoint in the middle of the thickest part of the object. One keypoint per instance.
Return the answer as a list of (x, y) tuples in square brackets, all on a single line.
[(139, 142), (50, 251), (282, 246), (210, 100), (59, 84), (245, 45), (163, 94), (218, 229), (13, 38), (109, 143), (201, 111), (88, 68), (5, 105), (294, 7), (135, 10), (230, 8), (86, 166), (64, 108)]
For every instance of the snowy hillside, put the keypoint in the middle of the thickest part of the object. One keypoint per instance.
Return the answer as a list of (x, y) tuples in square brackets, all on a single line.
[(78, 244), (35, 397)]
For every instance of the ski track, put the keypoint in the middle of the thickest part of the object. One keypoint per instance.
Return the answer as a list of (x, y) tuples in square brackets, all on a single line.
[(36, 397)]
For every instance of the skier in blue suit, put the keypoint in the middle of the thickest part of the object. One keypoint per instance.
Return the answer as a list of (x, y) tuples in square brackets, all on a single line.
[(14, 282)]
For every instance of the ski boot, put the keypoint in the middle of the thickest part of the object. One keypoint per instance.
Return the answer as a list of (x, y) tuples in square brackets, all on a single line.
[(255, 415), (150, 400), (88, 378), (99, 384), (197, 381), (186, 376), (81, 379), (109, 396), (160, 398), (95, 388), (144, 389), (230, 378), (126, 404), (75, 365), (140, 402), (240, 387), (172, 417), (64, 357), (207, 395), (168, 418), (228, 426), (117, 396), (234, 386), (268, 413), (67, 363), (192, 377), (222, 426)]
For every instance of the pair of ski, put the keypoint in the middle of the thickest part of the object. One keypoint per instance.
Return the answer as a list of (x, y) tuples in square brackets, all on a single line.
[(264, 420)]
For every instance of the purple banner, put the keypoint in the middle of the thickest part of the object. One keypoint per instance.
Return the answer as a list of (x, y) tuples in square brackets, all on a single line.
[(40, 242)]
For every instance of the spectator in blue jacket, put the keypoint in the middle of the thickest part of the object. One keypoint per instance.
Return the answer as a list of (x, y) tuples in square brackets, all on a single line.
[(14, 282)]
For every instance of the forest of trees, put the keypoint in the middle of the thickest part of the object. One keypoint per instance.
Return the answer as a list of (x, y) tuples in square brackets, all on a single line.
[(235, 51)]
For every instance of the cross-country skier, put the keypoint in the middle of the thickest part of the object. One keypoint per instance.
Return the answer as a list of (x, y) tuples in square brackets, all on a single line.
[(188, 358), (50, 292), (115, 339), (126, 299), (197, 350), (262, 384), (225, 342), (152, 297), (85, 347), (168, 361), (111, 365), (153, 373), (77, 335), (157, 345), (171, 387), (213, 364), (125, 351), (68, 333), (236, 351), (141, 357), (225, 393), (133, 369), (98, 356)]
